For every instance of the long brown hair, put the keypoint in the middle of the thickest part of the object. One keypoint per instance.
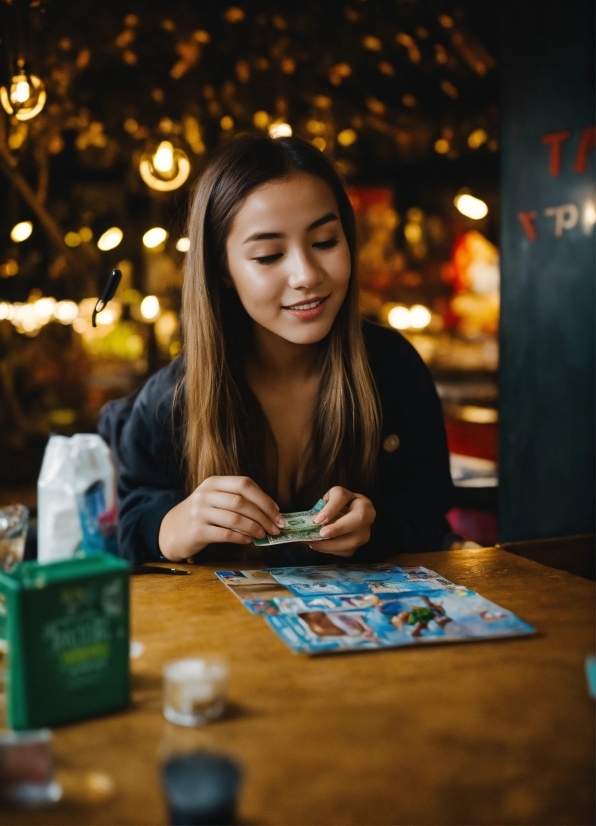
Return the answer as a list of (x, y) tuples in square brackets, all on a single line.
[(225, 429)]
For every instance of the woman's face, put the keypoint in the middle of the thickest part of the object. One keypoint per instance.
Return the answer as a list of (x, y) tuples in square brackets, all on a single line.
[(288, 258)]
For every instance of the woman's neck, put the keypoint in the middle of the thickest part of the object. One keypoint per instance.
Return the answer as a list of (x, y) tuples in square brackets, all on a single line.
[(277, 359)]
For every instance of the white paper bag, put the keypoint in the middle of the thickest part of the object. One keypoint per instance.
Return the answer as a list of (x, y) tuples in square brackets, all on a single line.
[(75, 497)]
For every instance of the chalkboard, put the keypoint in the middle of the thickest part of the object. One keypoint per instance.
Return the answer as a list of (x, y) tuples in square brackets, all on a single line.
[(547, 411)]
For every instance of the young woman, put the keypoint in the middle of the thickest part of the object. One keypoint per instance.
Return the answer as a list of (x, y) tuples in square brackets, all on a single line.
[(281, 395)]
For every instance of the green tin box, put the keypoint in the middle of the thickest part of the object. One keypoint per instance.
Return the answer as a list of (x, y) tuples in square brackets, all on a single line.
[(66, 630)]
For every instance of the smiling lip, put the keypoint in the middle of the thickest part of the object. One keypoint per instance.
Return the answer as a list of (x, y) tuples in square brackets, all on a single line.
[(308, 309)]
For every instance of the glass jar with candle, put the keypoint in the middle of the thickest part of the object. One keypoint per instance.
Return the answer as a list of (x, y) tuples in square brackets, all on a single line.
[(195, 689)]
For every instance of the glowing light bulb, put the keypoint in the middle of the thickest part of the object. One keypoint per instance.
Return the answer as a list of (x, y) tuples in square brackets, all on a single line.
[(280, 130), (150, 307), (420, 317), (183, 244), (21, 92), (470, 206), (165, 169), (154, 237), (399, 317), (163, 160), (21, 231), (110, 239), (25, 98)]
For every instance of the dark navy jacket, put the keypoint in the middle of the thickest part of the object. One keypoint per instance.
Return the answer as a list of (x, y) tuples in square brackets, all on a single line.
[(412, 493)]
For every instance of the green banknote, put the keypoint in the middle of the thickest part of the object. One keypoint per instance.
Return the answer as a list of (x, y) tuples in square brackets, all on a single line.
[(300, 528)]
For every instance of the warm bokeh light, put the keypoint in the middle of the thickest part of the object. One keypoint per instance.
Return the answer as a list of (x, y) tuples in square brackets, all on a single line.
[(150, 307), (399, 317), (183, 244), (413, 232), (110, 239), (477, 138), (44, 308), (261, 119), (65, 312), (420, 317), (479, 415), (154, 237), (26, 97), (106, 317), (9, 269), (85, 234), (166, 169), (21, 231), (588, 216), (72, 239), (280, 130), (442, 146), (347, 137), (470, 206)]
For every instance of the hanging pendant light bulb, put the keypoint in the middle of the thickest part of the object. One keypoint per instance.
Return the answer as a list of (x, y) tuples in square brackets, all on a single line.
[(163, 160), (166, 168), (26, 96)]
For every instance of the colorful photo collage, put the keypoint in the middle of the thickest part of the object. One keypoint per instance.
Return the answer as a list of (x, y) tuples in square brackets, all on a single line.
[(325, 609)]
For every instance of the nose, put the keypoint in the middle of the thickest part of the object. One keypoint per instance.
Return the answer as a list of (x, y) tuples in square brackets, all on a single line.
[(305, 272)]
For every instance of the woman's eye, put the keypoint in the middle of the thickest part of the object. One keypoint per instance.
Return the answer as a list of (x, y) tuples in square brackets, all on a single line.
[(268, 259), (326, 245)]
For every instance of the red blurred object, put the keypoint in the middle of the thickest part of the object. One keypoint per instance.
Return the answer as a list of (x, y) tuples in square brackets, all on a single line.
[(471, 439)]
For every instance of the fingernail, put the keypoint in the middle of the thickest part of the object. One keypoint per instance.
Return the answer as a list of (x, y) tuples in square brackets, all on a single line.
[(325, 531), (280, 522), (275, 530)]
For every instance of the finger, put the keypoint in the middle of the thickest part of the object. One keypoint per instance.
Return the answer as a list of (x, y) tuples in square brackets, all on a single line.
[(360, 514), (343, 546), (238, 503), (337, 498), (231, 520), (350, 522), (245, 486), (215, 533)]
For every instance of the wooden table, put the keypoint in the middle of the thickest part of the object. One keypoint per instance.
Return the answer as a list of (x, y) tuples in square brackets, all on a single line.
[(497, 732)]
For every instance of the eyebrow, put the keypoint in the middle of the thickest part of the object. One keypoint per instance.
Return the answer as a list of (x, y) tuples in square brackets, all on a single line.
[(264, 236)]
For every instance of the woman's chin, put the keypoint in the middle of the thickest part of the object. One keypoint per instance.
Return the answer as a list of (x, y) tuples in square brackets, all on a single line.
[(305, 333), (297, 331)]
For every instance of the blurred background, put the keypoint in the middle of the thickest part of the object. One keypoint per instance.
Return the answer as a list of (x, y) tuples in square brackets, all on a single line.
[(108, 113)]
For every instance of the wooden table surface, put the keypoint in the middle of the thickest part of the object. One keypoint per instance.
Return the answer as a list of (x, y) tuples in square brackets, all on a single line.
[(498, 732)]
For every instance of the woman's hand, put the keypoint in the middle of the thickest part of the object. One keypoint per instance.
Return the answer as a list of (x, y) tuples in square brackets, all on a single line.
[(347, 518), (222, 509)]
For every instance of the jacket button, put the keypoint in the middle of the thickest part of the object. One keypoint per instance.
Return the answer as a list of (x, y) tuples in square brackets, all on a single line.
[(391, 443)]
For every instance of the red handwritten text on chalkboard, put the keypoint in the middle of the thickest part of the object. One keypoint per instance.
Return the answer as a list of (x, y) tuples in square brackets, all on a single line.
[(566, 216)]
